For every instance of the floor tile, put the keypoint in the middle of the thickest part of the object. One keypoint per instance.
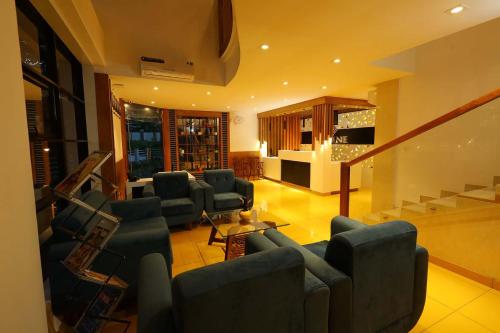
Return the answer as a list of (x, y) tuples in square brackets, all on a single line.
[(176, 270), (485, 310), (433, 312), (451, 289), (456, 323)]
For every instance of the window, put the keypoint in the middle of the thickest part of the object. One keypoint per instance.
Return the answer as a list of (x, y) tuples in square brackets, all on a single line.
[(55, 109), (145, 142)]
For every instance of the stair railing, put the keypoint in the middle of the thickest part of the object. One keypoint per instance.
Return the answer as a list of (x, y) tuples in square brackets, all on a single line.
[(345, 167)]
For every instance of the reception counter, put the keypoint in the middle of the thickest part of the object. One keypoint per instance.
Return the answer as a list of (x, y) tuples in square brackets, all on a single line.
[(309, 169)]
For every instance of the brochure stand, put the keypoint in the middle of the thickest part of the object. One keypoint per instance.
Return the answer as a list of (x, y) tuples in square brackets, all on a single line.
[(90, 244)]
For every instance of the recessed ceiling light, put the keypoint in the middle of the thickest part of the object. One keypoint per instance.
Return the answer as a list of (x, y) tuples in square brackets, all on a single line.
[(324, 87), (153, 102), (228, 107), (264, 47), (193, 104), (209, 93), (455, 10), (147, 109), (336, 61), (155, 88), (285, 83), (252, 97)]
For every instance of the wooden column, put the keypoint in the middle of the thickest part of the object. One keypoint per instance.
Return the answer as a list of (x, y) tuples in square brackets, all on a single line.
[(105, 127), (345, 179)]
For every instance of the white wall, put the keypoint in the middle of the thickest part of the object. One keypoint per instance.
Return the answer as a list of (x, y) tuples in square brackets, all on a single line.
[(244, 131), (22, 308), (449, 73)]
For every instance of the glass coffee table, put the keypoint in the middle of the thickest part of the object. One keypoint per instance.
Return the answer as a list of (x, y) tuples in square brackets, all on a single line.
[(229, 228)]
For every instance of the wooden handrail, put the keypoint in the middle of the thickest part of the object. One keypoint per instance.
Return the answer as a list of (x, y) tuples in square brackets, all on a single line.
[(345, 167), (428, 126)]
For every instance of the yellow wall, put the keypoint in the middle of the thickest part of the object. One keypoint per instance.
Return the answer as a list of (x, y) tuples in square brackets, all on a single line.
[(383, 164), (22, 307)]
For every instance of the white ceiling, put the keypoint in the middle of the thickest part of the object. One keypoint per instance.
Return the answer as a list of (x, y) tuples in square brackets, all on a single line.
[(304, 36)]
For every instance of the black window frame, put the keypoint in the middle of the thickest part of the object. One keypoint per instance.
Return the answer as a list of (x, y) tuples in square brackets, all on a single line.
[(48, 79)]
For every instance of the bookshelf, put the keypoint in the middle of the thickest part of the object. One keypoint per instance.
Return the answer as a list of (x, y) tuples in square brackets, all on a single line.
[(198, 142)]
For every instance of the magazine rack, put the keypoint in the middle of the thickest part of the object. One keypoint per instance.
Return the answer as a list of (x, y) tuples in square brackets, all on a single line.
[(90, 244)]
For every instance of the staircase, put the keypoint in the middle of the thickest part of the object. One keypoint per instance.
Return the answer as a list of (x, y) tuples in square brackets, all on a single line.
[(460, 230)]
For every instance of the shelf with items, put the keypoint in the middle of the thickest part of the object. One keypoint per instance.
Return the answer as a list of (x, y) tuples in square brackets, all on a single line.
[(198, 142), (91, 238)]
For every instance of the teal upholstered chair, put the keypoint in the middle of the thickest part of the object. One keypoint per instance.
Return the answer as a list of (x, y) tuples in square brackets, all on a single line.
[(263, 293), (181, 199), (224, 191), (377, 274)]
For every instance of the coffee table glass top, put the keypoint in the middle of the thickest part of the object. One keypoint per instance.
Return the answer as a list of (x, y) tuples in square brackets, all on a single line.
[(229, 223)]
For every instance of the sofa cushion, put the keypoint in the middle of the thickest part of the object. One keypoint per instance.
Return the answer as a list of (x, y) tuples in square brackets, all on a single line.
[(221, 180), (178, 206), (318, 248), (171, 185), (139, 225), (227, 200)]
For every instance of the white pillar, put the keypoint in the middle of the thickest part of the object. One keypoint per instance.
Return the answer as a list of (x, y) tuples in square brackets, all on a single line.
[(22, 308)]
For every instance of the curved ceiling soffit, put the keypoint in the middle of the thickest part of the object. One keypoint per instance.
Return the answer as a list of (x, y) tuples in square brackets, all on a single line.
[(231, 56)]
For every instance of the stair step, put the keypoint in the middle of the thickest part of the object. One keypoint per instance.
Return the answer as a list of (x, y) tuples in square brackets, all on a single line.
[(400, 213), (447, 203), (472, 187), (373, 218), (481, 194), (416, 208), (446, 194), (425, 198)]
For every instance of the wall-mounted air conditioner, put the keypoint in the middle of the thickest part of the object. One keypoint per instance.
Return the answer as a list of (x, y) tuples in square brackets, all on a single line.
[(156, 69)]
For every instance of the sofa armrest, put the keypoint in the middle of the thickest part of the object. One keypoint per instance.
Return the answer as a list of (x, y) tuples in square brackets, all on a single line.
[(341, 224), (154, 301), (340, 284), (148, 191), (256, 242), (420, 283), (208, 192), (317, 294), (136, 209), (196, 195), (245, 188)]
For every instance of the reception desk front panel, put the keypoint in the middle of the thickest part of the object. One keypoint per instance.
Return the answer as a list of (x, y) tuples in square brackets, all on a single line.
[(298, 173)]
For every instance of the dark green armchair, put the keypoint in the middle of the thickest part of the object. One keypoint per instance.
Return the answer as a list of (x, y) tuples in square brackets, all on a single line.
[(181, 199), (224, 191)]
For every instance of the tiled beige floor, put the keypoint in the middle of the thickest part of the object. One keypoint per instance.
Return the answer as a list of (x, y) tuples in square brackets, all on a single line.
[(454, 303)]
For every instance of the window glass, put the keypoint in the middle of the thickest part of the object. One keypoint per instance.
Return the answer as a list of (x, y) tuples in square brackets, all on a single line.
[(64, 72), (145, 146), (68, 120), (30, 44)]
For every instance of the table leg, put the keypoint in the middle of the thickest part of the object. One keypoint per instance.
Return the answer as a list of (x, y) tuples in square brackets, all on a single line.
[(211, 239)]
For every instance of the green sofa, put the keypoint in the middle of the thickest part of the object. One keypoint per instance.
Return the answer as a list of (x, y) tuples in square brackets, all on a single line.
[(261, 293), (142, 230), (377, 275)]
